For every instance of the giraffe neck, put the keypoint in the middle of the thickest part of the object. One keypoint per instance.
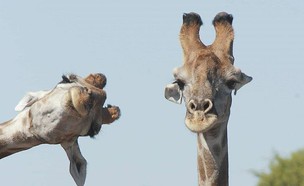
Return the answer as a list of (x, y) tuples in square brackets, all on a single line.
[(15, 135), (212, 156)]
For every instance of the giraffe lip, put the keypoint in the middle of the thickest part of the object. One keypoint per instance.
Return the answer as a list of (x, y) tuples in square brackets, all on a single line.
[(200, 123)]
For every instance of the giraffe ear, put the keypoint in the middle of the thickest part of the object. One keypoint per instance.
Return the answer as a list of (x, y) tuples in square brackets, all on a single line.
[(243, 79), (173, 93), (29, 99)]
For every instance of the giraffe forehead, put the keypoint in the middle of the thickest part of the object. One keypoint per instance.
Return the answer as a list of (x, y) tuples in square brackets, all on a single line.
[(204, 67), (198, 71)]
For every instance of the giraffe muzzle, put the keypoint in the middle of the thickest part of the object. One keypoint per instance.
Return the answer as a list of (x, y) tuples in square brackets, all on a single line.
[(200, 116)]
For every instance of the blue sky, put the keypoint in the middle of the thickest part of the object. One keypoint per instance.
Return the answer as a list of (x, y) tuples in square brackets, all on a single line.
[(135, 44)]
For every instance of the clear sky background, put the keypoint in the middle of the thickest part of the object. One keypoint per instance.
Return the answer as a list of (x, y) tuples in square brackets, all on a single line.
[(135, 44)]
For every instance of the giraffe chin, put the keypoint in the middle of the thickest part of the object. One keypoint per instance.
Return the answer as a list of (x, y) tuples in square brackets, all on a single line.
[(202, 123)]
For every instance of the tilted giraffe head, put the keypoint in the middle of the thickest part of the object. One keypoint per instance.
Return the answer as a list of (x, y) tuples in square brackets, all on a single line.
[(207, 76)]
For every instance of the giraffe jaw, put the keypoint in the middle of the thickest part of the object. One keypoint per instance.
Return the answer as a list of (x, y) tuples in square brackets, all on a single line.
[(198, 122)]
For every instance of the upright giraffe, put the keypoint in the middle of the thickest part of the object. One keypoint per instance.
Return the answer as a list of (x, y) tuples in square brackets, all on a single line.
[(205, 81)]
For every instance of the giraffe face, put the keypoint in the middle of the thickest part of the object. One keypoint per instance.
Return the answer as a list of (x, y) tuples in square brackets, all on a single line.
[(74, 102), (67, 111), (73, 108), (207, 77), (205, 85)]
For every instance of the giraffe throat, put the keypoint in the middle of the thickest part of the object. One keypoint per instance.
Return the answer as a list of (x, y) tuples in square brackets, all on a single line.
[(212, 157)]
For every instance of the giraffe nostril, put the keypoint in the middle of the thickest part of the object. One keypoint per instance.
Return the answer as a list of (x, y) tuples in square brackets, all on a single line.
[(192, 106), (204, 106), (207, 105)]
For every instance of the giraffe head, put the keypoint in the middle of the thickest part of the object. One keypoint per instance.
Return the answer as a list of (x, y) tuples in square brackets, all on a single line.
[(74, 100), (73, 108), (207, 77)]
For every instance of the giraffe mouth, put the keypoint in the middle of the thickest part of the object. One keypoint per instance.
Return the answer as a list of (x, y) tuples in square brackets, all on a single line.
[(200, 122)]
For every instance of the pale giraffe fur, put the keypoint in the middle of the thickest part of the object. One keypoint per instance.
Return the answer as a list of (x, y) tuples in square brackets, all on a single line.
[(73, 108)]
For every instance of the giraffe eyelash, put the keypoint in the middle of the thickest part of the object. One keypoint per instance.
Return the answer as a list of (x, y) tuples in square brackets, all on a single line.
[(231, 83), (180, 83)]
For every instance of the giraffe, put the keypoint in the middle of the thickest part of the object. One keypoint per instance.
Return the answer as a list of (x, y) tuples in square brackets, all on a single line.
[(205, 81), (59, 116)]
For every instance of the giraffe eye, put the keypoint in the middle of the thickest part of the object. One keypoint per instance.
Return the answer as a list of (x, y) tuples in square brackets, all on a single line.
[(231, 84), (180, 83)]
